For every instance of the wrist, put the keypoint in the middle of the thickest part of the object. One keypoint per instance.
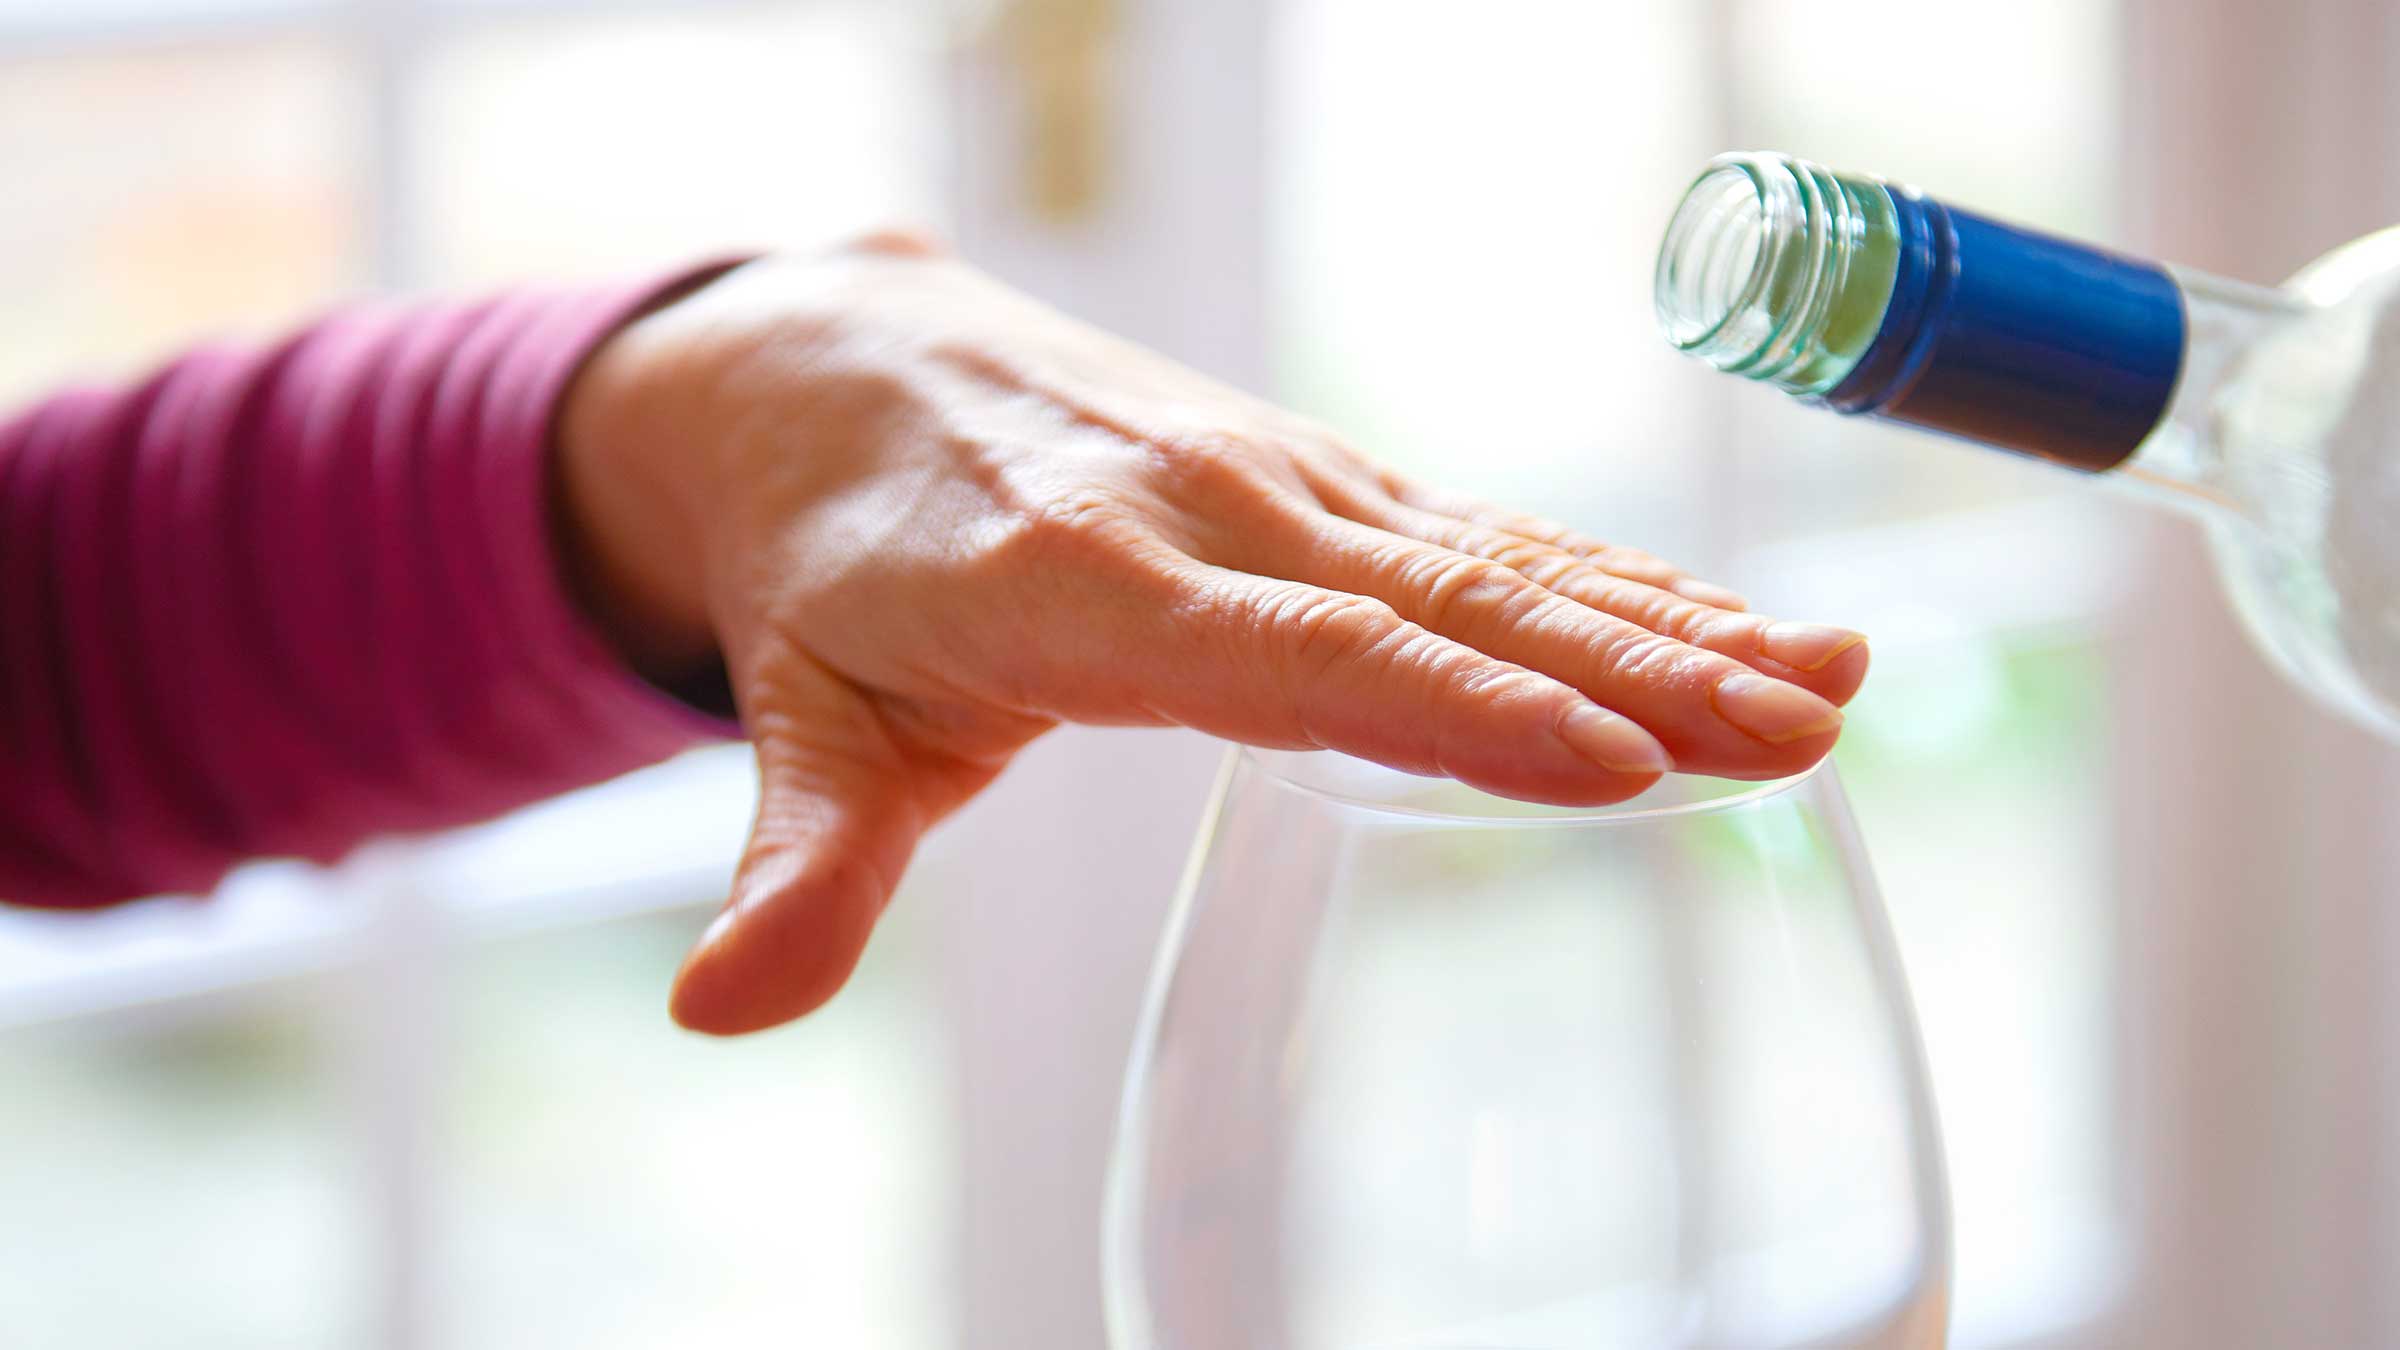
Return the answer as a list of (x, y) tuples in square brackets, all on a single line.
[(712, 423), (627, 521)]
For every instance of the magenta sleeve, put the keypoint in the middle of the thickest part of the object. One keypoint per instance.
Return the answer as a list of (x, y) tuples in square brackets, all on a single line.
[(273, 600)]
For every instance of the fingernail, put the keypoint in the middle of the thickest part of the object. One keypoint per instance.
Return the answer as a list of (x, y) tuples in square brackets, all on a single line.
[(1771, 710), (1612, 742), (1806, 646), (1710, 594)]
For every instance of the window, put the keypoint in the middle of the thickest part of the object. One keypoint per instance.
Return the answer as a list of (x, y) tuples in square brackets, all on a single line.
[(566, 144), (128, 227)]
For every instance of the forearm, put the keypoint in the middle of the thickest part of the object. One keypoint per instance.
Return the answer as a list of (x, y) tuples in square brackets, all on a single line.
[(271, 601)]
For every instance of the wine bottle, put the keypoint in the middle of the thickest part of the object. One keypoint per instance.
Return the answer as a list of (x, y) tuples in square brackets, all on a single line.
[(2271, 413)]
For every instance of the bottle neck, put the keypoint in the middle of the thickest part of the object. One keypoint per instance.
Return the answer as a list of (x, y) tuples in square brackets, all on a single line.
[(1877, 300), (2182, 461)]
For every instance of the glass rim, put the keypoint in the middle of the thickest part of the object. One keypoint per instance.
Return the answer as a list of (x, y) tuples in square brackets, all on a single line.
[(1619, 813)]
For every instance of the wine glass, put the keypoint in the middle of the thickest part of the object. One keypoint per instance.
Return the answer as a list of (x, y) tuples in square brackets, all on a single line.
[(1423, 1069)]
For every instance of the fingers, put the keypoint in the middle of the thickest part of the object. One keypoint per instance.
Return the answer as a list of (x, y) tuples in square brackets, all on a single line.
[(1714, 715), (1283, 664), (1630, 563), (1829, 662), (840, 810)]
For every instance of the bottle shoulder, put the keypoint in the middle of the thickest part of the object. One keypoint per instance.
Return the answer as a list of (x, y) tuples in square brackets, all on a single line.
[(2284, 396), (2339, 275), (2305, 429), (2297, 374)]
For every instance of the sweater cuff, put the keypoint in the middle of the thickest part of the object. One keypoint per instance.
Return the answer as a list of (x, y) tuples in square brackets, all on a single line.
[(629, 720)]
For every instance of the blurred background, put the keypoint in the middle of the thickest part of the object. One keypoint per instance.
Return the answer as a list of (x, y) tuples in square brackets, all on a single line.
[(2150, 905)]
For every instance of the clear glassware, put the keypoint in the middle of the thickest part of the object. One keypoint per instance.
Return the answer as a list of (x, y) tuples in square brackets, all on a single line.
[(1423, 1069)]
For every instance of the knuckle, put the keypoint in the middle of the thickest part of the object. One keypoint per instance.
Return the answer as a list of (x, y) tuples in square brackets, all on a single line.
[(1079, 531), (1211, 609), (1074, 519), (1492, 684), (1479, 696), (1554, 568), (1642, 654), (1325, 632), (1521, 555), (1212, 467), (1660, 611), (1685, 619), (1457, 590)]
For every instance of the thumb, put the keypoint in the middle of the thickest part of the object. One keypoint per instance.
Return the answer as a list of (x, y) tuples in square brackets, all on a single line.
[(838, 817)]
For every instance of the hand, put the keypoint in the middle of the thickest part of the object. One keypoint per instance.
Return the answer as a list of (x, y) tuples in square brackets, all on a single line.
[(924, 520)]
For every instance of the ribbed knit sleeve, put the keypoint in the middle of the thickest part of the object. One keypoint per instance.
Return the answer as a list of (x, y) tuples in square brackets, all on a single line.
[(272, 600)]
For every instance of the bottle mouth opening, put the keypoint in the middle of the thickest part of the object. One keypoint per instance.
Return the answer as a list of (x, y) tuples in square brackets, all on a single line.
[(1714, 263), (1777, 270)]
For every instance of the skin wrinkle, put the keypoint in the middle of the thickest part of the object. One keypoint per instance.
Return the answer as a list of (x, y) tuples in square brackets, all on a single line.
[(1633, 649), (1293, 636), (1492, 689), (1523, 555), (1336, 630), (1659, 609), (1617, 560), (1218, 469), (880, 728), (1554, 568), (1512, 614), (1491, 597), (1665, 613)]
